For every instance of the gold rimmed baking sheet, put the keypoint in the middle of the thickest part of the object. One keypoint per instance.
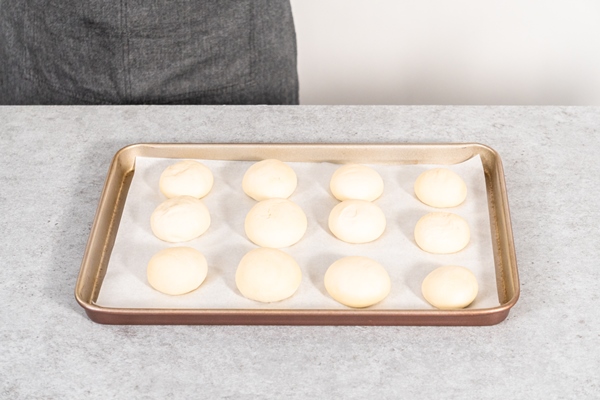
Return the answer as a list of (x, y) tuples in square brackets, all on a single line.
[(102, 237)]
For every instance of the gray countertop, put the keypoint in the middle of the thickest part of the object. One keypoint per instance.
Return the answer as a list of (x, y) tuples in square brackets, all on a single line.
[(53, 164)]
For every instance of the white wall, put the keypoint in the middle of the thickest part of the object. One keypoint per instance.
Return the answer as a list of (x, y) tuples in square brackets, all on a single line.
[(448, 51)]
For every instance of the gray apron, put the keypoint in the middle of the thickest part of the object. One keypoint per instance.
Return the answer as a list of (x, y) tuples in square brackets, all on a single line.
[(147, 52)]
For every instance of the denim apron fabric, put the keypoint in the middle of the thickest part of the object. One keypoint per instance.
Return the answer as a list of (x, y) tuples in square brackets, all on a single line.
[(147, 52)]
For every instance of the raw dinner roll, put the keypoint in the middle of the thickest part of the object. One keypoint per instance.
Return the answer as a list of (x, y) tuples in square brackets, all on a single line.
[(177, 270), (269, 179), (267, 275), (440, 188), (357, 281), (450, 287), (357, 221), (186, 178), (355, 181), (275, 223), (180, 219), (442, 233)]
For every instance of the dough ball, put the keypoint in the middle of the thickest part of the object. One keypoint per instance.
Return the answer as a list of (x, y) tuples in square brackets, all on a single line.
[(267, 275), (357, 281), (275, 223), (269, 179), (177, 270), (450, 287), (180, 219), (442, 233), (357, 221), (186, 178), (355, 181), (440, 188)]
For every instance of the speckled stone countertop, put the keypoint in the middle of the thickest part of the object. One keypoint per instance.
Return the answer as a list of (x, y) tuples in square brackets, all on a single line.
[(53, 164)]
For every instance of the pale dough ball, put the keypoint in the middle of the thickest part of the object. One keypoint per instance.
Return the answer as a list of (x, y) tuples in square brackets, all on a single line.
[(186, 178), (177, 270), (275, 223), (440, 188), (180, 219), (269, 179), (450, 287), (355, 181), (357, 281), (442, 233), (267, 275), (357, 221)]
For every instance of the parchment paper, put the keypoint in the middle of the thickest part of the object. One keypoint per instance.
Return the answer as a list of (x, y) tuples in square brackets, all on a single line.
[(225, 243)]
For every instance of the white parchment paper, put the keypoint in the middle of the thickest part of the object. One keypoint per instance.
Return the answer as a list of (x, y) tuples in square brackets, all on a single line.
[(225, 243)]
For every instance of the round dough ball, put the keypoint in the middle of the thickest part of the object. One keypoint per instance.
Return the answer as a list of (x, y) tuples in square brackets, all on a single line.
[(186, 178), (442, 233), (267, 275), (357, 281), (269, 179), (357, 221), (440, 188), (355, 181), (180, 219), (275, 223), (450, 287), (177, 270)]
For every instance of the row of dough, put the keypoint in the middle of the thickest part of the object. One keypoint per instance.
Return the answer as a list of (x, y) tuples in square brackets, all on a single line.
[(269, 179), (278, 223), (269, 275)]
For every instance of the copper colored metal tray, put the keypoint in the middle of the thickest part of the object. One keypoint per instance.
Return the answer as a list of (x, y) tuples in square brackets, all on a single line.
[(108, 215)]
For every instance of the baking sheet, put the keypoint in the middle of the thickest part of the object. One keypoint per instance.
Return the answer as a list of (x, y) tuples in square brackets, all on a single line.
[(225, 243)]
